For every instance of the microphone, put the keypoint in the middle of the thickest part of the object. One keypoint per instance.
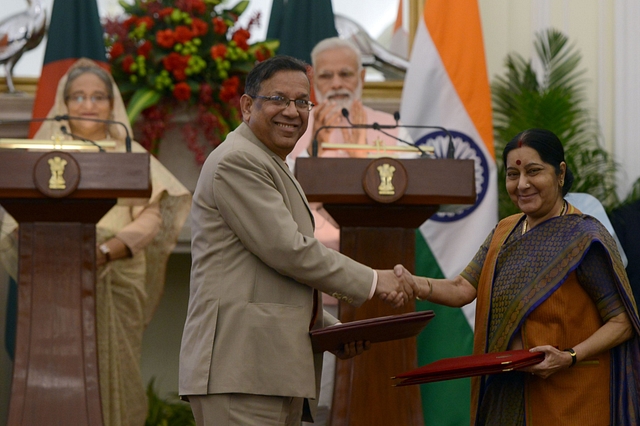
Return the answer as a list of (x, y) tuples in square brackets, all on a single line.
[(423, 153), (64, 130), (314, 141), (396, 116), (127, 139), (379, 127), (451, 149)]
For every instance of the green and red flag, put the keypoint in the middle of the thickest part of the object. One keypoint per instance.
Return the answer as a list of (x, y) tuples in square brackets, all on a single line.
[(300, 25), (74, 32)]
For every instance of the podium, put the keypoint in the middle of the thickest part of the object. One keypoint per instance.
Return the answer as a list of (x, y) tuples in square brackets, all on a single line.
[(57, 197), (378, 215)]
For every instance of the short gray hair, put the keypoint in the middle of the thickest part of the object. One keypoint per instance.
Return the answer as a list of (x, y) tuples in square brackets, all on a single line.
[(334, 43)]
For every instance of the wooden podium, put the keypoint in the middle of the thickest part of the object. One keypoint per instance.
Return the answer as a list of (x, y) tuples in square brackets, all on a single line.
[(379, 230), (57, 197)]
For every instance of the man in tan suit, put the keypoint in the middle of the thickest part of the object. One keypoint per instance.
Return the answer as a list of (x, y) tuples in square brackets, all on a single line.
[(246, 356)]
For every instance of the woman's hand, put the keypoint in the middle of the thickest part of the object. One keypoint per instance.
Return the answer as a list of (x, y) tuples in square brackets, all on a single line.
[(554, 360)]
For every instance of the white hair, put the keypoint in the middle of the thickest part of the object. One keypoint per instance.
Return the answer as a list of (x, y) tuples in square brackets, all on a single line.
[(334, 43)]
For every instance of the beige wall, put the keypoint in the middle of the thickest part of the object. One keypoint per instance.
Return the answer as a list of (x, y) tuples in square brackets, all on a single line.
[(509, 26)]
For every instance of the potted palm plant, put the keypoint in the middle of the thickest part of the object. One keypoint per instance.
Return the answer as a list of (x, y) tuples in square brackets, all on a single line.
[(552, 96)]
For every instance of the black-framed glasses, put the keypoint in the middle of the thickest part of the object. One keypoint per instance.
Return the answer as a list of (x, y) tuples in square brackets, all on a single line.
[(282, 102)]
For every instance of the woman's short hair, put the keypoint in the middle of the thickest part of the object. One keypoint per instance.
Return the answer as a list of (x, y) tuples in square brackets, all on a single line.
[(102, 74), (548, 147), (266, 69)]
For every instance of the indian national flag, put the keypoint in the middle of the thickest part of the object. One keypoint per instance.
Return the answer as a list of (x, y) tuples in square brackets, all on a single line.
[(400, 38), (447, 85)]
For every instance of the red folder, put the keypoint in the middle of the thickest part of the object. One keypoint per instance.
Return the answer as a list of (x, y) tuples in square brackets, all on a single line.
[(381, 329), (472, 365)]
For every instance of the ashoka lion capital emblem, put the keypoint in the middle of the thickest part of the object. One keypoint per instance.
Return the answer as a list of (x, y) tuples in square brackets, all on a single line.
[(386, 179)]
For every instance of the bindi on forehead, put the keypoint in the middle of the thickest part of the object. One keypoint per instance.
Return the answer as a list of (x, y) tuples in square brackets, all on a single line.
[(518, 162)]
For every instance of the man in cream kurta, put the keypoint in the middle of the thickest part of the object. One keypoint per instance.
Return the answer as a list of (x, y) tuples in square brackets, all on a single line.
[(246, 355)]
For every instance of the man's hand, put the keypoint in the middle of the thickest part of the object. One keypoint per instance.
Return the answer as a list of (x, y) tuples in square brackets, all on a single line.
[(357, 115), (395, 287), (325, 113), (349, 350)]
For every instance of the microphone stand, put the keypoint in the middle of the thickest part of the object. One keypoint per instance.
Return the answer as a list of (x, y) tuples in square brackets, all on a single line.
[(127, 139), (64, 130), (396, 116)]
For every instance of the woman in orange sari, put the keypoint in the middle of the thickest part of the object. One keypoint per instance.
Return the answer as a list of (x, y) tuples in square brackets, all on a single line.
[(550, 280)]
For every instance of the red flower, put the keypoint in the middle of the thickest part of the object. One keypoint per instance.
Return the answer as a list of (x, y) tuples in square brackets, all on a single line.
[(145, 20), (199, 27), (165, 38), (145, 48), (262, 54), (183, 34), (176, 64), (240, 37), (127, 62), (219, 26), (218, 51), (191, 6), (182, 91), (127, 23), (229, 89), (163, 13), (116, 50), (206, 92)]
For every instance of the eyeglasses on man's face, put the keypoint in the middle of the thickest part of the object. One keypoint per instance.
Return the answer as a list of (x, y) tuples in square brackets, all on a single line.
[(302, 105), (80, 98)]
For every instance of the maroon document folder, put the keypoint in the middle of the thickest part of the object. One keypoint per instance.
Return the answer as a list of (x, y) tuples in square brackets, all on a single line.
[(471, 365), (381, 329)]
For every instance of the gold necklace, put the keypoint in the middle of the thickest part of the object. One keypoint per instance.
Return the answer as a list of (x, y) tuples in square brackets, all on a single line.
[(525, 226)]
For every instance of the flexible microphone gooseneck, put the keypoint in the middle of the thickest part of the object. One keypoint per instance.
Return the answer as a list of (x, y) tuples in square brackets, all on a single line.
[(127, 140), (396, 116), (378, 127), (58, 118), (64, 130), (314, 141)]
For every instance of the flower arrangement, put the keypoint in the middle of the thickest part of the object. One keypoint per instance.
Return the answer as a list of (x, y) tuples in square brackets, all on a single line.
[(169, 54)]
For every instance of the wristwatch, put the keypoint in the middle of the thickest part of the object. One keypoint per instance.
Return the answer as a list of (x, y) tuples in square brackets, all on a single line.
[(104, 249)]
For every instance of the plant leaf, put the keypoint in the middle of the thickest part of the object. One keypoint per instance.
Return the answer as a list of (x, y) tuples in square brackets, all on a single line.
[(142, 99)]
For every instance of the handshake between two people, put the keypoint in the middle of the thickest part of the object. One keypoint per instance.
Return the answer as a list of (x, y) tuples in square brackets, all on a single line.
[(396, 286)]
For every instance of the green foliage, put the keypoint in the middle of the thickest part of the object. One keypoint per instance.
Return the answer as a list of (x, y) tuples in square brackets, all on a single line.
[(167, 412), (552, 98)]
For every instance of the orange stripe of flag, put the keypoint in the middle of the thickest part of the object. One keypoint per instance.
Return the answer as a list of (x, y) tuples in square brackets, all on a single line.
[(455, 29)]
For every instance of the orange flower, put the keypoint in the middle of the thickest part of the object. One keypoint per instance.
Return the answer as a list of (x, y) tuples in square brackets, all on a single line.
[(218, 51), (219, 26), (165, 38), (182, 91), (183, 34)]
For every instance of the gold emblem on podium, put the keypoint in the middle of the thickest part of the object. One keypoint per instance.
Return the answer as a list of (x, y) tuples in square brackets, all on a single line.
[(57, 165), (386, 171), (385, 180)]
